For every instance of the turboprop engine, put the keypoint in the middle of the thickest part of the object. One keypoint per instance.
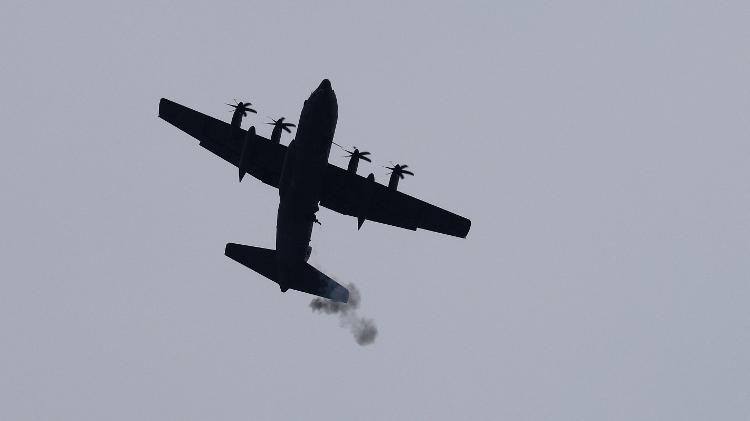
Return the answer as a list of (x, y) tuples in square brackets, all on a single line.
[(397, 173), (278, 126), (240, 110), (354, 157)]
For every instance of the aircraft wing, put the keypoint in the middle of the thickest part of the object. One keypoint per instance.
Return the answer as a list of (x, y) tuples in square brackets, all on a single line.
[(343, 192), (264, 158), (363, 198)]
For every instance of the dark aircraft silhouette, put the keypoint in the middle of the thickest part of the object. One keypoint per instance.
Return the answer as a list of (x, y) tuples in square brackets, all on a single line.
[(305, 179)]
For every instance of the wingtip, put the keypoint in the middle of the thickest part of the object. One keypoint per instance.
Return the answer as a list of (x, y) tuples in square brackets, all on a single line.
[(162, 103), (229, 247), (467, 228)]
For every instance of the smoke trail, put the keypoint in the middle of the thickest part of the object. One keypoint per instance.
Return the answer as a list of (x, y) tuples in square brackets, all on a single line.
[(364, 330)]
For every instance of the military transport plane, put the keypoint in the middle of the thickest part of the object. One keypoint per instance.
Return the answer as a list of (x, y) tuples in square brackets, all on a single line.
[(305, 179)]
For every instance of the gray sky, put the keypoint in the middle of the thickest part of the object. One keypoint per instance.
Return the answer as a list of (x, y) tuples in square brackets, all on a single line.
[(600, 149)]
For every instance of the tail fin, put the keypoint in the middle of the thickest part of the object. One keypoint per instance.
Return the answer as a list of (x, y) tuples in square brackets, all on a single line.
[(305, 278)]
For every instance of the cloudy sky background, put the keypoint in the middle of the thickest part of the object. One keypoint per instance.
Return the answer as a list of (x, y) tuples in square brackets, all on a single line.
[(599, 148)]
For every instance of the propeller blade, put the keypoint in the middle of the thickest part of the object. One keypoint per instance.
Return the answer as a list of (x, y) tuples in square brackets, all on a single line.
[(407, 172), (364, 153), (364, 158)]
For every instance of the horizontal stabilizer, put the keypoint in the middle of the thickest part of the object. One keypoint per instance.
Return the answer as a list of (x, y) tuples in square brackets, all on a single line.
[(304, 277)]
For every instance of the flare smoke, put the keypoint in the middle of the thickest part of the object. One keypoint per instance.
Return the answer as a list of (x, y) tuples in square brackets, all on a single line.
[(364, 330)]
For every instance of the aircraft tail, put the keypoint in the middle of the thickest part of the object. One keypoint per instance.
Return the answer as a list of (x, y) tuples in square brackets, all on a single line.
[(305, 278)]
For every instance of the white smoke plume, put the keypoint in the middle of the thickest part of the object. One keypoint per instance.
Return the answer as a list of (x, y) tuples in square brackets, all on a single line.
[(364, 330)]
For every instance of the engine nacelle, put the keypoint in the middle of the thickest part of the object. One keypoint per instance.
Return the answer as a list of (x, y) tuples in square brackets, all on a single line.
[(397, 172), (353, 164), (240, 110), (276, 134), (354, 157), (236, 118), (393, 182)]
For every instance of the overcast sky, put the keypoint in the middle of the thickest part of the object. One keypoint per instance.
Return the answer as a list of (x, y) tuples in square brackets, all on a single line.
[(599, 148)]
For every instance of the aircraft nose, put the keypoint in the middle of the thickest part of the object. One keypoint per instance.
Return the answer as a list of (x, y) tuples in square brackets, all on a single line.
[(325, 85)]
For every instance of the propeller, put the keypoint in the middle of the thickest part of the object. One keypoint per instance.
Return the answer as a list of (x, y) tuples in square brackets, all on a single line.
[(282, 125), (358, 155), (400, 170), (244, 107)]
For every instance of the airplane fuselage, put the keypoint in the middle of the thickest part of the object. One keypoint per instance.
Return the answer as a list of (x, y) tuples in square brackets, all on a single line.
[(301, 181)]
